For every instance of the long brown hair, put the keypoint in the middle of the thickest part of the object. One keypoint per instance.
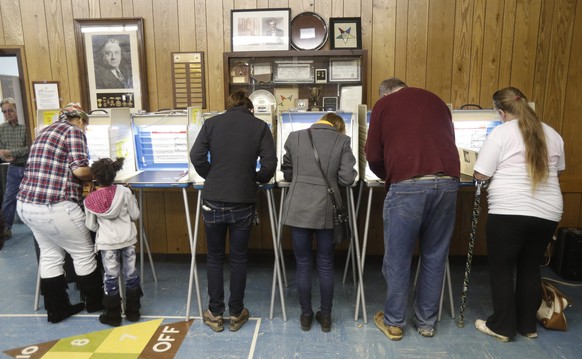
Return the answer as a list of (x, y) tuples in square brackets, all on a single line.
[(513, 101)]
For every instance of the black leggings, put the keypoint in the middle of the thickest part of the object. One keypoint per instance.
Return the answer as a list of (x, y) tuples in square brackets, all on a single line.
[(516, 245)]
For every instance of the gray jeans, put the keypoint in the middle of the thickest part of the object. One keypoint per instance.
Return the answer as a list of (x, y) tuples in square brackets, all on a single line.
[(116, 261), (59, 228)]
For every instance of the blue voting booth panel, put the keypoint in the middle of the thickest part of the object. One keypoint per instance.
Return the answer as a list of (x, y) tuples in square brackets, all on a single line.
[(473, 126), (161, 147), (471, 130)]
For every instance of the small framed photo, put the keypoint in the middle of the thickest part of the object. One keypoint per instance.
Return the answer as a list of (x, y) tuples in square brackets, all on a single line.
[(320, 76), (330, 103), (260, 29), (346, 33)]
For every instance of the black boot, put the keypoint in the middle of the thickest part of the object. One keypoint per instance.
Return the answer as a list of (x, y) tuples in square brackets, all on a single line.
[(56, 299), (112, 314), (91, 288), (324, 320), (132, 303), (306, 320)]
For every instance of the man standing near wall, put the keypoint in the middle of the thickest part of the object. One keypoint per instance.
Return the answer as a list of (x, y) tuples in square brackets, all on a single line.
[(411, 144), (13, 149)]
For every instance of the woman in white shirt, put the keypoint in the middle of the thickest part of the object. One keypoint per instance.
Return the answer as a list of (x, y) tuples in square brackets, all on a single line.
[(523, 157)]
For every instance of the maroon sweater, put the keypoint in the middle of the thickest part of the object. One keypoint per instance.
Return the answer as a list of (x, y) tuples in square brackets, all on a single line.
[(411, 134)]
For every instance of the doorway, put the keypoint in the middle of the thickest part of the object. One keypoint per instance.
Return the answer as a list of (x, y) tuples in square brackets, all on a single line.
[(13, 84)]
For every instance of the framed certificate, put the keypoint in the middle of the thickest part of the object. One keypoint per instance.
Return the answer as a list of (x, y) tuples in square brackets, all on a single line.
[(344, 70), (296, 72)]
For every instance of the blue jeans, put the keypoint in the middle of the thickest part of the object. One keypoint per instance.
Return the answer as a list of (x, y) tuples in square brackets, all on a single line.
[(115, 261), (423, 210), (236, 219), (303, 247), (13, 178)]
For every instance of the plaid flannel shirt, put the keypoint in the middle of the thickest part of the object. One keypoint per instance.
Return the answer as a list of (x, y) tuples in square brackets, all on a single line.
[(57, 151)]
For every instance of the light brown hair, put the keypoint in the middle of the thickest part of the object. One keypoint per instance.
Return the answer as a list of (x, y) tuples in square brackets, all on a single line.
[(336, 120), (511, 100)]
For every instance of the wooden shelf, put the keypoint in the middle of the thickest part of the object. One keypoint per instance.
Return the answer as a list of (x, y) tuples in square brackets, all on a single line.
[(295, 70)]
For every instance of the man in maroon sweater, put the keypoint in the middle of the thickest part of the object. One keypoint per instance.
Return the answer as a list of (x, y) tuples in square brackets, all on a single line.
[(411, 145)]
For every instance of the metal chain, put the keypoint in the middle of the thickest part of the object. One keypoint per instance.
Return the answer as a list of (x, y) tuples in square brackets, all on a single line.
[(474, 219)]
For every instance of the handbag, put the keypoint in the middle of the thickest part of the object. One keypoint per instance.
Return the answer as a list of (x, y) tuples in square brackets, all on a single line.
[(341, 223), (551, 311)]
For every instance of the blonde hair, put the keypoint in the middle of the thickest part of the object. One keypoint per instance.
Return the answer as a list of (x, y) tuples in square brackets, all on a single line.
[(513, 101), (336, 120)]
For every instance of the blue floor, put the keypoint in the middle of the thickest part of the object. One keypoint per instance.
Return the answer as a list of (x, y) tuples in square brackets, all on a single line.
[(21, 325)]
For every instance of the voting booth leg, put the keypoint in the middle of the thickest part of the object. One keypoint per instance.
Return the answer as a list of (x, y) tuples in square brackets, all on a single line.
[(280, 235), (193, 279), (277, 281), (143, 243), (350, 259), (364, 247), (359, 264), (37, 293), (350, 255)]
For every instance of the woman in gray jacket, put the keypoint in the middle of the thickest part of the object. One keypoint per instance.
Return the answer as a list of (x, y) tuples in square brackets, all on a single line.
[(308, 208)]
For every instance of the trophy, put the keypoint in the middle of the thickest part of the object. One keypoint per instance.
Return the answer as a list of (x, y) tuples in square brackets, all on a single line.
[(314, 94)]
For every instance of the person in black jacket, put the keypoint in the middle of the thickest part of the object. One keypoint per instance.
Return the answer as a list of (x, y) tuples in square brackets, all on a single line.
[(234, 140)]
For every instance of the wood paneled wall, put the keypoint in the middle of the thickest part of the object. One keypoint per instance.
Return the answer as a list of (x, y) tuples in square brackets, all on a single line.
[(463, 50)]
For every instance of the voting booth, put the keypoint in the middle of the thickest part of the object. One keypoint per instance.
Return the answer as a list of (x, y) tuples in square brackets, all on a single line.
[(471, 130), (196, 122), (109, 136), (363, 125), (162, 160), (288, 122)]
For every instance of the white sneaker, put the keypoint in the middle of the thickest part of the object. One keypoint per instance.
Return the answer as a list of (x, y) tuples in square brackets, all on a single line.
[(481, 326)]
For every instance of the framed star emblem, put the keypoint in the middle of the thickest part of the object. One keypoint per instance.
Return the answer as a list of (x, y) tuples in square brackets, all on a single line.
[(346, 33)]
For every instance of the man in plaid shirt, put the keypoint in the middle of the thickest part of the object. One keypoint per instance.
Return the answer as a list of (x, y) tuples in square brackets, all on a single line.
[(13, 149), (49, 203)]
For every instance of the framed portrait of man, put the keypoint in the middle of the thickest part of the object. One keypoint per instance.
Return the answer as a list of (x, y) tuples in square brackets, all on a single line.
[(111, 63)]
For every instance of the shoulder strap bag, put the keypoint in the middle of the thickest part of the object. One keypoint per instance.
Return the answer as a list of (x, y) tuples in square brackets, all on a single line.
[(341, 224)]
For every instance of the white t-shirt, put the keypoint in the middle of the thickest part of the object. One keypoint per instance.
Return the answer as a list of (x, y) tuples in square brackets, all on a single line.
[(502, 157)]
